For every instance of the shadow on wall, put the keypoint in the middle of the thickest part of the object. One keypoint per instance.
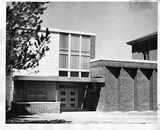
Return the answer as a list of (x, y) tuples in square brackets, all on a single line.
[(92, 98), (18, 109)]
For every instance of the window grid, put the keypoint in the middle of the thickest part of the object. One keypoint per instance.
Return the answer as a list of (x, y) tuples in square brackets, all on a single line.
[(83, 55)]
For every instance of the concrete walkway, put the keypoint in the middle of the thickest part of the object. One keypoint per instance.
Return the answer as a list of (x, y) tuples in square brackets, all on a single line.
[(96, 117)]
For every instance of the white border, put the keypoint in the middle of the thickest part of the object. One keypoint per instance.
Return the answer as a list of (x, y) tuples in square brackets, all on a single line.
[(3, 126)]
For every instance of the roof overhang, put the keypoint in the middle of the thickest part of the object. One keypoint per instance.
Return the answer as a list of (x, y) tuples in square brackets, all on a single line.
[(142, 39), (59, 79), (128, 64), (52, 30)]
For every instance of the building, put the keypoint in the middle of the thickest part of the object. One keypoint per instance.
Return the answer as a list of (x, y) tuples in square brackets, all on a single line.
[(145, 47), (129, 85), (64, 82), (73, 81)]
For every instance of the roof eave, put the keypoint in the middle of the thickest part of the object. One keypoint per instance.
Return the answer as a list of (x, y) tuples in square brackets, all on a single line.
[(144, 38)]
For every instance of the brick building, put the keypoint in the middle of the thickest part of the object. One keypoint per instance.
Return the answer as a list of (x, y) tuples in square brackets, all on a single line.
[(72, 81), (129, 85), (145, 47)]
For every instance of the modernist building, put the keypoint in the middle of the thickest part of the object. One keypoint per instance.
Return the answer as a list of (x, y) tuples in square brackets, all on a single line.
[(63, 79), (130, 85), (69, 81)]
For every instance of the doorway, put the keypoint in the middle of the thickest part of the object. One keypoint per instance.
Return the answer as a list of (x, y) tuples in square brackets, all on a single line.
[(68, 96)]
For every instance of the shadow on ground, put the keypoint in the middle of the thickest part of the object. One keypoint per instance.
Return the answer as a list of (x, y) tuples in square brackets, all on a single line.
[(16, 121), (19, 115)]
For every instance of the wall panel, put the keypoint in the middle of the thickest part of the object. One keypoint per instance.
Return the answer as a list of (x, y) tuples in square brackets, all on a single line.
[(109, 93), (143, 90), (126, 87)]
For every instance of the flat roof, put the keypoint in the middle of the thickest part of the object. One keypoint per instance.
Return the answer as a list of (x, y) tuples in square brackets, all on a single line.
[(144, 38), (125, 60), (70, 31), (127, 64), (59, 79), (52, 30)]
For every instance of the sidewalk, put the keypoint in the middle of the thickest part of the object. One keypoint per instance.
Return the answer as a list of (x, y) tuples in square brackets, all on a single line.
[(148, 117)]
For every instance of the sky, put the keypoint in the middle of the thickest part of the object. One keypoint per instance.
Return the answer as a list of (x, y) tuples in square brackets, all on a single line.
[(114, 23)]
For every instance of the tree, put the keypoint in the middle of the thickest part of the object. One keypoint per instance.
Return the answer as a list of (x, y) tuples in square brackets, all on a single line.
[(26, 43), (23, 27)]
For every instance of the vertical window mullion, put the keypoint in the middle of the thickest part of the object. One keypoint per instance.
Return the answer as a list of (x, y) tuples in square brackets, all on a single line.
[(69, 53), (80, 54)]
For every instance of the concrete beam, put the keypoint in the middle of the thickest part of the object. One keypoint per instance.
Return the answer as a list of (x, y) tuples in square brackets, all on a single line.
[(127, 64), (59, 79)]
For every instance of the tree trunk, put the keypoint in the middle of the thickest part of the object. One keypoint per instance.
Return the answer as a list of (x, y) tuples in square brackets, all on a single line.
[(9, 91)]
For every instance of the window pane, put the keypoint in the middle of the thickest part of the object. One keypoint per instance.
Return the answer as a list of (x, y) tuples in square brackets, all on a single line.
[(63, 73), (84, 62), (63, 61), (63, 41), (34, 94), (74, 74), (85, 43), (74, 62), (84, 74), (75, 42)]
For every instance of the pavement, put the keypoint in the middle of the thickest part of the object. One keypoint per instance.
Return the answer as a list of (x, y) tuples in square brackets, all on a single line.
[(147, 117)]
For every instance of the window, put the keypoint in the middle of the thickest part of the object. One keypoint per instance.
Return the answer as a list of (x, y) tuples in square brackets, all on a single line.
[(33, 93), (63, 41), (84, 74), (85, 62), (63, 73), (74, 62), (75, 42), (74, 74), (63, 61), (85, 44)]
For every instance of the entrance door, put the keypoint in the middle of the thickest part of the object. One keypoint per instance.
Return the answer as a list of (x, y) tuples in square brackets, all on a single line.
[(68, 98)]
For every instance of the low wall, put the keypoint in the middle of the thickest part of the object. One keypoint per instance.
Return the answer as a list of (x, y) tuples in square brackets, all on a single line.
[(37, 107), (129, 86)]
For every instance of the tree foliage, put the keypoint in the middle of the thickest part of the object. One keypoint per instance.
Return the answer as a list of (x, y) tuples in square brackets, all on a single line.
[(26, 43)]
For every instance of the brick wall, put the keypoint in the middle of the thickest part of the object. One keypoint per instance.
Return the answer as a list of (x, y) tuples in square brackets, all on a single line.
[(129, 88), (38, 107), (139, 55)]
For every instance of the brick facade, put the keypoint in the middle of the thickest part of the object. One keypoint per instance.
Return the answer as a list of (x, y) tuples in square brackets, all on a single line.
[(144, 48), (128, 86)]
